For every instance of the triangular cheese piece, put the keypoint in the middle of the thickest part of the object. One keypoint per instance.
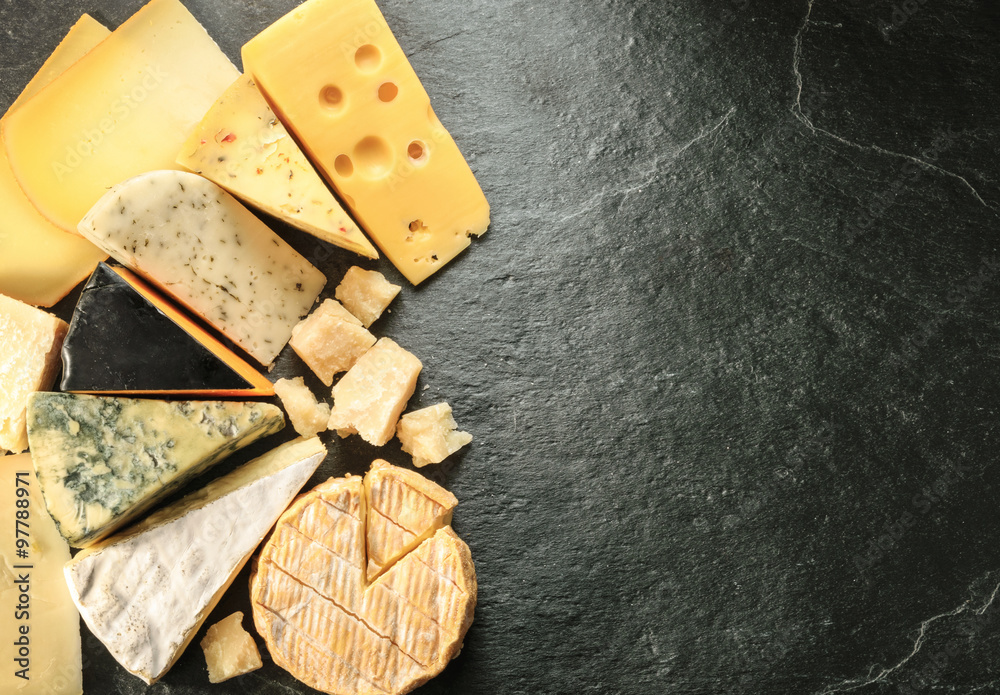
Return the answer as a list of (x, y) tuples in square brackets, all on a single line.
[(404, 509), (103, 461), (145, 593), (127, 339), (242, 146)]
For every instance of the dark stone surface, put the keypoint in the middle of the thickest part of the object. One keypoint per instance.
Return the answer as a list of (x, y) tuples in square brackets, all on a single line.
[(729, 350)]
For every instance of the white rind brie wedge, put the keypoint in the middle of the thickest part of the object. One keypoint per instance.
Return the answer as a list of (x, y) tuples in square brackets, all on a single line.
[(146, 591)]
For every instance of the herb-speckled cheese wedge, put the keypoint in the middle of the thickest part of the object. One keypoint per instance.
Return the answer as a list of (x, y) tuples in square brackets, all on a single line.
[(145, 592), (198, 243), (103, 461)]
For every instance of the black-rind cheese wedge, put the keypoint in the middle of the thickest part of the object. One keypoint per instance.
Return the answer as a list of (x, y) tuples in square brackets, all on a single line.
[(125, 338)]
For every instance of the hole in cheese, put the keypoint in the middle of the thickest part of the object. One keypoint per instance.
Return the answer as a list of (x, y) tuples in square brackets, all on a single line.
[(368, 58), (415, 151), (387, 91), (373, 156), (344, 165), (331, 97)]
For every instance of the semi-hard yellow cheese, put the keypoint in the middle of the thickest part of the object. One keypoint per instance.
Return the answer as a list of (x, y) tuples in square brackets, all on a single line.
[(40, 263), (335, 74), (123, 109), (242, 146), (40, 645), (30, 341)]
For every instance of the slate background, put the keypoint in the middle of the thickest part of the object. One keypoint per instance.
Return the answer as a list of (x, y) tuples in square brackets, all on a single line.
[(729, 349)]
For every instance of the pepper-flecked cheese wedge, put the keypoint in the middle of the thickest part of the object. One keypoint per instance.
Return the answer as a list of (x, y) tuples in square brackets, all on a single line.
[(363, 117), (199, 244), (39, 262), (124, 108), (242, 146)]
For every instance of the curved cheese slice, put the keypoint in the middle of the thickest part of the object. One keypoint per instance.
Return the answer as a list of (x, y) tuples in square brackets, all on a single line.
[(102, 461), (196, 242), (242, 146), (146, 592), (337, 632)]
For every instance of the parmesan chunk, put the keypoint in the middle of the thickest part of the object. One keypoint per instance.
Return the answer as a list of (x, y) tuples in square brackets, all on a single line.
[(229, 649), (366, 293), (430, 435), (330, 340), (370, 397), (30, 341), (307, 415)]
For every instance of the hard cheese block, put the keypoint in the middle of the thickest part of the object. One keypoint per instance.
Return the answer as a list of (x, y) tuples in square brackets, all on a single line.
[(40, 649), (242, 146), (124, 108), (335, 631), (365, 120), (126, 339), (230, 650), (40, 263), (196, 242), (430, 435), (30, 340), (404, 510), (145, 592), (369, 398), (101, 462)]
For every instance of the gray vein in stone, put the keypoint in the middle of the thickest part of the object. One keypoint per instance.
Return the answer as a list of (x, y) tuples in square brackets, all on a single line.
[(800, 116), (855, 683), (651, 174)]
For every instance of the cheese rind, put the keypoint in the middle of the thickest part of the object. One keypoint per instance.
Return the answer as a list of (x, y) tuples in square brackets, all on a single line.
[(230, 650), (365, 120), (370, 397), (430, 435), (124, 108), (199, 244), (53, 664), (242, 146), (127, 339), (103, 461), (39, 262), (30, 340), (331, 628), (145, 592), (366, 294), (330, 340)]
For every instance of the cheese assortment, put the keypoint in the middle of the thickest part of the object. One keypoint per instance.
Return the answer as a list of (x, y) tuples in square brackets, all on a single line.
[(196, 242), (30, 340), (33, 594), (363, 586), (126, 107), (103, 461), (39, 262), (363, 117), (144, 593), (329, 626), (242, 146), (125, 338)]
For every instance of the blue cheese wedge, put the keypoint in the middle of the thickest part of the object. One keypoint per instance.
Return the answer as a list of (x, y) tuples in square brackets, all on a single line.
[(198, 243), (145, 592), (103, 461)]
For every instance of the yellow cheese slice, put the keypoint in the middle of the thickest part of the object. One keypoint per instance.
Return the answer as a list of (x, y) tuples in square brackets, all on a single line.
[(123, 109), (363, 117), (40, 649), (40, 263), (242, 146)]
